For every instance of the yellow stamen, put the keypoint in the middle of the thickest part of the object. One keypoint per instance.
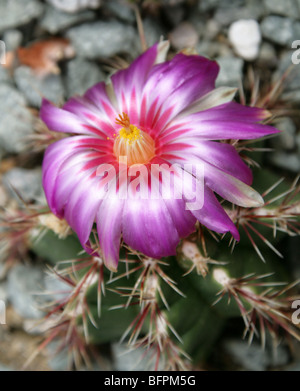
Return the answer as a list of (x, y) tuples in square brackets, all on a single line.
[(129, 132), (136, 145)]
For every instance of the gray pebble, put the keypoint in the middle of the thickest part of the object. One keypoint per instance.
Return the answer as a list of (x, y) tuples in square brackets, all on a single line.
[(120, 10), (208, 5), (153, 31), (54, 20), (130, 360), (287, 138), (16, 122), (23, 285), (5, 75), (225, 15), (82, 74), (297, 31), (16, 13), (13, 39), (292, 82), (286, 161), (74, 5), (27, 182), (284, 8), (35, 88), (231, 71), (60, 360), (253, 357), (102, 39), (3, 291), (278, 29)]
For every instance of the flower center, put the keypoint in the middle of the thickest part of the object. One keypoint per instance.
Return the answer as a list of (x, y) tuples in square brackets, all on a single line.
[(136, 145)]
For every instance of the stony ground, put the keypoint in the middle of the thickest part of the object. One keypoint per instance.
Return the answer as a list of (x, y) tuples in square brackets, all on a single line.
[(81, 42)]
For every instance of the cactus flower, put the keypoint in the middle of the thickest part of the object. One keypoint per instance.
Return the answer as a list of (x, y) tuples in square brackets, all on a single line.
[(155, 112)]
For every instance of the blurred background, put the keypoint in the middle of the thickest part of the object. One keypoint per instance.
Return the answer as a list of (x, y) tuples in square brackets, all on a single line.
[(58, 48)]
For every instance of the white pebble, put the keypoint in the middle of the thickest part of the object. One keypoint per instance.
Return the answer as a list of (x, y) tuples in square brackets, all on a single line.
[(245, 37), (74, 5)]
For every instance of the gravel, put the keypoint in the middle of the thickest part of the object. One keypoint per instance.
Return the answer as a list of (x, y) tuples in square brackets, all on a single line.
[(286, 161), (231, 71), (297, 31), (129, 360), (292, 82), (3, 291), (225, 15), (13, 39), (102, 39), (208, 5), (286, 139), (120, 10), (253, 357), (74, 5), (55, 20), (27, 182), (16, 13), (153, 31), (285, 8), (35, 88), (278, 29), (5, 75), (82, 74), (24, 284), (16, 122)]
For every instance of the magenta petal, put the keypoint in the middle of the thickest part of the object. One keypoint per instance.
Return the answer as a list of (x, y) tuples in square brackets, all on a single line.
[(213, 216), (81, 208), (148, 227), (230, 188), (61, 120), (133, 78), (225, 157), (54, 158), (98, 123), (176, 84), (106, 106), (232, 111), (221, 130), (109, 227), (63, 155), (183, 219), (69, 176)]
